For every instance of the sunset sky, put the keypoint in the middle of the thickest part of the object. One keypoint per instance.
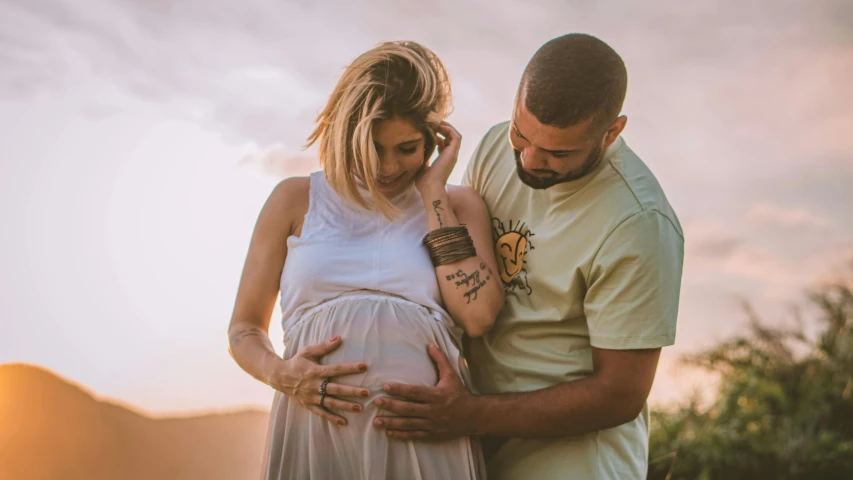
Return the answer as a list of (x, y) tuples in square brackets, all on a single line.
[(139, 139)]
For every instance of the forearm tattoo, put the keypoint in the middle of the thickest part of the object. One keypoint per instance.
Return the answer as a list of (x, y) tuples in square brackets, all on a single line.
[(436, 206), (237, 337), (471, 280)]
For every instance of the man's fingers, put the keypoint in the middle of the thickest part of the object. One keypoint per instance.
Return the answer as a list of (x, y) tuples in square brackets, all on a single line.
[(406, 409), (321, 349), (339, 390), (401, 423), (445, 369), (340, 369), (417, 393), (333, 403), (323, 413)]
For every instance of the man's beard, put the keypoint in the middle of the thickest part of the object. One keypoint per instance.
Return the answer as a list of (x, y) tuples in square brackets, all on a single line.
[(553, 178)]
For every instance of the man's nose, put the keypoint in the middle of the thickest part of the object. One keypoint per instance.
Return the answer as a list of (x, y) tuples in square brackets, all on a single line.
[(533, 159)]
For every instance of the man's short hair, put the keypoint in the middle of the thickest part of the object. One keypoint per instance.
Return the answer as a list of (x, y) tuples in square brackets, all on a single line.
[(573, 78)]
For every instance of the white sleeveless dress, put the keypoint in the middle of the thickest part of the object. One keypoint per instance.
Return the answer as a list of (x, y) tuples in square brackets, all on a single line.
[(354, 273)]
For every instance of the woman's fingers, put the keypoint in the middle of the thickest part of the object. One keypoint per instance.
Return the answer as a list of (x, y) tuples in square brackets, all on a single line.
[(314, 352), (439, 142), (449, 144), (340, 369), (340, 390), (332, 403), (323, 413), (320, 349), (435, 176), (450, 136), (448, 131)]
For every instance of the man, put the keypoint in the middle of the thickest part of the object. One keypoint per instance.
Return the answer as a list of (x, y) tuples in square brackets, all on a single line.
[(590, 253)]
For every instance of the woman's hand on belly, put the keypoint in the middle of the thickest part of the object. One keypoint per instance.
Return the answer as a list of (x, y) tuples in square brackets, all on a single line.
[(301, 376)]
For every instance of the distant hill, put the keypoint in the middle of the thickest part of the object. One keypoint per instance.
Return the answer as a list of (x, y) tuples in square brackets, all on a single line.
[(51, 429)]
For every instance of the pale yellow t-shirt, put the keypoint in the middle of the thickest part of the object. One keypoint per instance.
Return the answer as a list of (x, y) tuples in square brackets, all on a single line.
[(595, 262)]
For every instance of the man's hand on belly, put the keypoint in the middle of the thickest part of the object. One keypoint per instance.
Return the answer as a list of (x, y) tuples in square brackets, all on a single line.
[(614, 394), (441, 412)]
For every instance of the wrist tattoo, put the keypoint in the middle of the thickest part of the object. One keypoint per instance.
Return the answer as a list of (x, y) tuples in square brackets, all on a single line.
[(238, 337), (436, 206), (471, 280)]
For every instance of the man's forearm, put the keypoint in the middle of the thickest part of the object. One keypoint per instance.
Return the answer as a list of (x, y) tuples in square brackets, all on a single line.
[(568, 409)]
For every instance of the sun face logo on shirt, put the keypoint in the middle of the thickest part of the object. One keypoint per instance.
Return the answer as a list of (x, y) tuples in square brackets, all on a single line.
[(511, 245)]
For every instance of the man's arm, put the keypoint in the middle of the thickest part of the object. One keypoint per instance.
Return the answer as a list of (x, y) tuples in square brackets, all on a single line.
[(613, 395), (631, 306)]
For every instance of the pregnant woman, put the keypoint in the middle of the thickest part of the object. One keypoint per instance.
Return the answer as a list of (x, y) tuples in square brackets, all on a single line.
[(375, 258)]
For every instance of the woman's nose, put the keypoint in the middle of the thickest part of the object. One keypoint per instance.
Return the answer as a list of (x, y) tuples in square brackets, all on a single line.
[(388, 166)]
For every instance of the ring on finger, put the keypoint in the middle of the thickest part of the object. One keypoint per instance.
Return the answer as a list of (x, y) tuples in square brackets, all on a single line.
[(322, 390)]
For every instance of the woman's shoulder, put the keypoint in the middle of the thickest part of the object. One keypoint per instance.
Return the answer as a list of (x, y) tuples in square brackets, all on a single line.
[(289, 201), (291, 193), (292, 188)]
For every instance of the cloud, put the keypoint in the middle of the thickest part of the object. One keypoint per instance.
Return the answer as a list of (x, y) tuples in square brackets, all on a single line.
[(709, 240), (277, 161), (756, 263), (237, 70), (768, 213), (734, 94), (717, 247), (744, 256), (180, 54), (725, 94), (722, 251)]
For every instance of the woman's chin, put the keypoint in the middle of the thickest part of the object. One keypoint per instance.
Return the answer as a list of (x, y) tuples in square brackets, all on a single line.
[(394, 188)]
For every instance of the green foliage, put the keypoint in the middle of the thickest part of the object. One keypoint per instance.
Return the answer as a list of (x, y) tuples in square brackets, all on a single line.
[(784, 408)]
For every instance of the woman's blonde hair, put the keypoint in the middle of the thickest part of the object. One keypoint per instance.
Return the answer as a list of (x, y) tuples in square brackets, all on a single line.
[(394, 79)]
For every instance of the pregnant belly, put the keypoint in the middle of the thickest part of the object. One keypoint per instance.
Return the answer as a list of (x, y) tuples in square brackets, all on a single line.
[(390, 335)]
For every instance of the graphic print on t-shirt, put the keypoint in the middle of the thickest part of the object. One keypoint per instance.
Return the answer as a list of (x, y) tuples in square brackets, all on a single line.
[(511, 245)]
